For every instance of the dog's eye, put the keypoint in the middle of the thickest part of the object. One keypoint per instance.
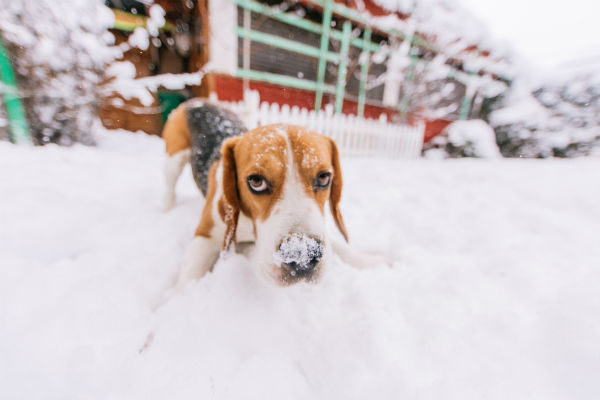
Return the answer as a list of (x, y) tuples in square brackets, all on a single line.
[(258, 184), (322, 180)]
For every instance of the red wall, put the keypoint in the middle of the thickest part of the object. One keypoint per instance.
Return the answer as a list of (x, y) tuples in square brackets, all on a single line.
[(229, 88), (434, 128)]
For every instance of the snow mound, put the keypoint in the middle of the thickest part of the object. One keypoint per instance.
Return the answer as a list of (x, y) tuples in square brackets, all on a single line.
[(471, 138), (477, 135)]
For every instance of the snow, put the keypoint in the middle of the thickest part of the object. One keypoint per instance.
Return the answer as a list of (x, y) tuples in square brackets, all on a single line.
[(494, 293), (143, 88), (454, 29), (139, 38), (156, 20), (475, 133), (521, 106), (464, 138)]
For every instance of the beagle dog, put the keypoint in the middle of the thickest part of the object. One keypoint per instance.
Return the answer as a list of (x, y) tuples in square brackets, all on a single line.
[(269, 186)]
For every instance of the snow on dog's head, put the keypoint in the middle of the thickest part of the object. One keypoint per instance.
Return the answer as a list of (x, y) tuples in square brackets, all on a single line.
[(281, 176)]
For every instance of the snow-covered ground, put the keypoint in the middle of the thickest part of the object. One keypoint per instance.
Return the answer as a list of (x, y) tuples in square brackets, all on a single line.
[(495, 292)]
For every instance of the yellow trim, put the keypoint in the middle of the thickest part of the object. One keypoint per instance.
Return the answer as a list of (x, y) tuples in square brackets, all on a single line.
[(128, 22)]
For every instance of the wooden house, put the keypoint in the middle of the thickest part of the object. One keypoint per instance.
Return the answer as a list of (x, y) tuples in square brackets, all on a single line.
[(307, 53)]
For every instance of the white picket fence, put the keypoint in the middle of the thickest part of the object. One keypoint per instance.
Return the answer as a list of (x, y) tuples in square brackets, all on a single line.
[(355, 136)]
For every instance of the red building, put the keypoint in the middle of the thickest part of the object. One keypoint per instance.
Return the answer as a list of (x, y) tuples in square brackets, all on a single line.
[(309, 53)]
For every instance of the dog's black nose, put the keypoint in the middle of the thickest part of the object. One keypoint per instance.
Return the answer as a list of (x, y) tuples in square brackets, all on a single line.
[(300, 254), (301, 269)]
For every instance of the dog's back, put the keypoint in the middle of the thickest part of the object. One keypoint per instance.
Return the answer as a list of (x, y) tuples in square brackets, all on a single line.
[(195, 132), (209, 125)]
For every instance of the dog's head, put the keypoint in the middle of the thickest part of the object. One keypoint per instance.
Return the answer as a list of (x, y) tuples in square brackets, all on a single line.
[(281, 177)]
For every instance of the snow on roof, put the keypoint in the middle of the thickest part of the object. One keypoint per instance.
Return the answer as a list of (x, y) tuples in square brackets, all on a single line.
[(452, 28)]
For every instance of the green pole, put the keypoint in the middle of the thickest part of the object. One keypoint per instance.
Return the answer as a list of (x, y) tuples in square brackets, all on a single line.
[(364, 72), (324, 49), (282, 80), (19, 132), (465, 106), (343, 67)]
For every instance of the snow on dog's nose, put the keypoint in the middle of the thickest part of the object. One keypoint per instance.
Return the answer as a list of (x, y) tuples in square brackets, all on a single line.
[(299, 254)]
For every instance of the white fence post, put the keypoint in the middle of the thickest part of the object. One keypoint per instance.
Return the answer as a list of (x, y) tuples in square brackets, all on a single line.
[(355, 136)]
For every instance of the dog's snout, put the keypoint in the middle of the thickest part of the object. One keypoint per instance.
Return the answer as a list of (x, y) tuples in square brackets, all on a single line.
[(300, 254)]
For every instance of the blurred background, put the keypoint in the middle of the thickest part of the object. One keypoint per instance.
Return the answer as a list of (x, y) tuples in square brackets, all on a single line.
[(70, 68)]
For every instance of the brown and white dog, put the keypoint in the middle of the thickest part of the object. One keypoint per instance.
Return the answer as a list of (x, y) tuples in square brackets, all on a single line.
[(269, 186)]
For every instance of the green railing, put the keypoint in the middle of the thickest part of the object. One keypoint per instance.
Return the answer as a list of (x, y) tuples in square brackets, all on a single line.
[(286, 44), (325, 32), (322, 53), (302, 23), (465, 106)]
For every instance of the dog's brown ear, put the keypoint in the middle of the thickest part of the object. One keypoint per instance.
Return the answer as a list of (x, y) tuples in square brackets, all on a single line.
[(336, 190), (230, 204)]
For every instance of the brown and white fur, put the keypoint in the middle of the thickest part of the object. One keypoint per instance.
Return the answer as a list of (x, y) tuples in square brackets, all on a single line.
[(298, 172)]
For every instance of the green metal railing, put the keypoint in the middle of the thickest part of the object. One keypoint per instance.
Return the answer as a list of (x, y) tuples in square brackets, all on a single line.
[(286, 44), (300, 22), (465, 106), (282, 80), (325, 31), (19, 131), (322, 53)]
